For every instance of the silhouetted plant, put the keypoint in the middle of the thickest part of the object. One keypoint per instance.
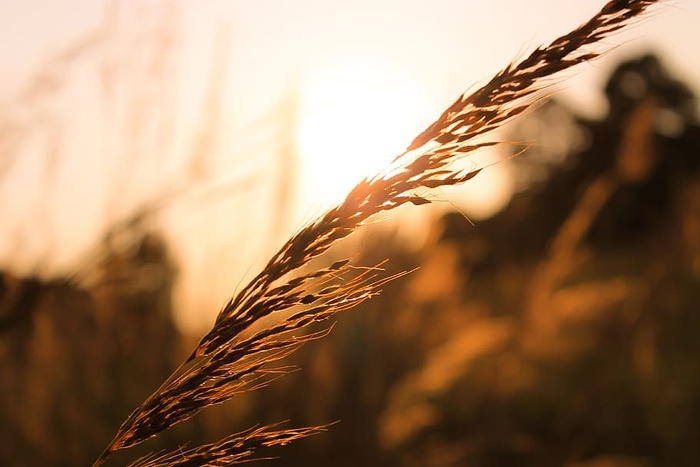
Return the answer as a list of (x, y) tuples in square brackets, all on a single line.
[(238, 353)]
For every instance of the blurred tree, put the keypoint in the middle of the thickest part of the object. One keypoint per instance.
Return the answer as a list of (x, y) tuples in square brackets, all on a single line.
[(76, 361), (648, 146)]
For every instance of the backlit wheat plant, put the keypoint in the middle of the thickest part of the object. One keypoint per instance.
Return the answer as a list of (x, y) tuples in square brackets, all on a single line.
[(238, 354)]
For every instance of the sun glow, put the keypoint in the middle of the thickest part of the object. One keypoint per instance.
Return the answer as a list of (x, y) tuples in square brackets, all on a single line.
[(356, 116)]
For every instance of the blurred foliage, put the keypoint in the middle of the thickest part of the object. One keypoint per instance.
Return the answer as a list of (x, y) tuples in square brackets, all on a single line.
[(562, 331), (75, 361)]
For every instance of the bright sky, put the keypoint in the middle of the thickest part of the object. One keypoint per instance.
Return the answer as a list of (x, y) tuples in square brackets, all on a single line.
[(366, 76)]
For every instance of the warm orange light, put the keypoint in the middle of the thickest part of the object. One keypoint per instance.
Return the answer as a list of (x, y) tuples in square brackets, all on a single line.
[(357, 115)]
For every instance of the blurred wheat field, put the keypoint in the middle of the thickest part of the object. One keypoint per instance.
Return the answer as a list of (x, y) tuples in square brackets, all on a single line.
[(559, 331)]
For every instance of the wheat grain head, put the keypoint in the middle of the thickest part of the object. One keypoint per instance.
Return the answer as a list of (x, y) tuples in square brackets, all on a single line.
[(232, 358)]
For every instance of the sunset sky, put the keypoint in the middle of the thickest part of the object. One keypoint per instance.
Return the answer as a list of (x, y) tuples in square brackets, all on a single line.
[(365, 77)]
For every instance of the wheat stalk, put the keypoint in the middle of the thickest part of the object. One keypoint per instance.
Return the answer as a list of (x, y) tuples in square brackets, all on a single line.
[(232, 358)]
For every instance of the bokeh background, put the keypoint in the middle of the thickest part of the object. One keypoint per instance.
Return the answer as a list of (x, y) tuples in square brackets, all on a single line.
[(153, 154)]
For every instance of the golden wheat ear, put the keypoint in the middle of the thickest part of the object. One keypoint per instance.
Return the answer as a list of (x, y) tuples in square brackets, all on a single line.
[(233, 357)]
